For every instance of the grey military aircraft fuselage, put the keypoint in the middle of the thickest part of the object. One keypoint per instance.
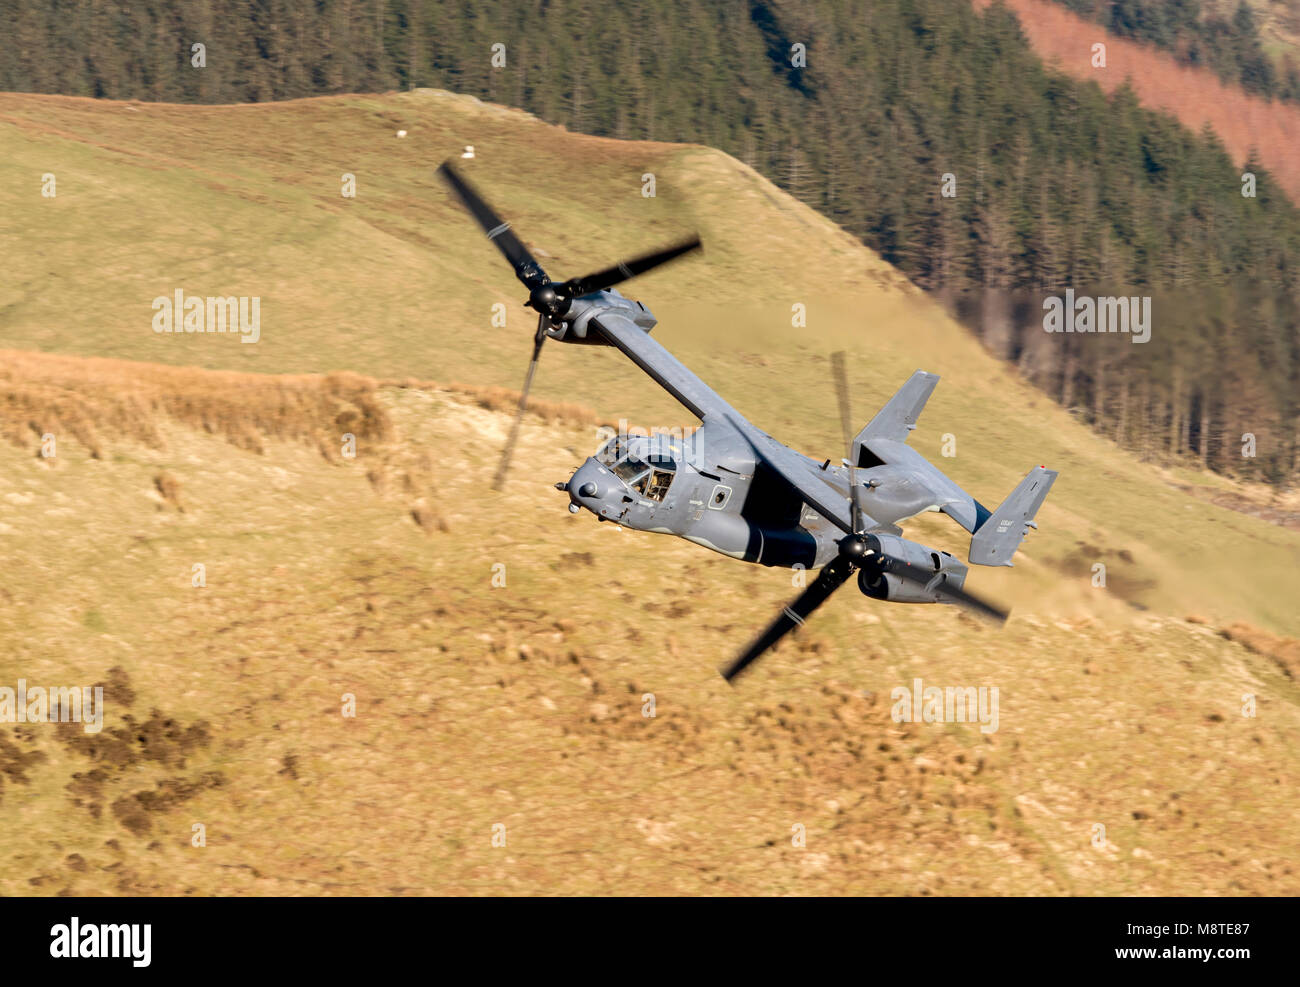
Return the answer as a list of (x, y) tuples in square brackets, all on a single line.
[(728, 486), (733, 488), (713, 491)]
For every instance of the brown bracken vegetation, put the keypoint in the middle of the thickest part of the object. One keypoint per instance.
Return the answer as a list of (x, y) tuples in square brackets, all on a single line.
[(1247, 125), (1285, 651), (95, 400)]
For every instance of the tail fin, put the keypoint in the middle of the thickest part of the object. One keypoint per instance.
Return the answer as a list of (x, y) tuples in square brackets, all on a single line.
[(996, 540), (895, 421)]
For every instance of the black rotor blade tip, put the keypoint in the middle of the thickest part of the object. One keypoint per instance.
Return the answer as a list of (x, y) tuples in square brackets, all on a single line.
[(625, 269)]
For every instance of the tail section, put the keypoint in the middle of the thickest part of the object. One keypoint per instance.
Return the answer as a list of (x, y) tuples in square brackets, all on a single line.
[(996, 539), (884, 441), (895, 421)]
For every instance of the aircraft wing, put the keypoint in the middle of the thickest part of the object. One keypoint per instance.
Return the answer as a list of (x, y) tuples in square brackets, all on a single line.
[(662, 367), (803, 475), (948, 497)]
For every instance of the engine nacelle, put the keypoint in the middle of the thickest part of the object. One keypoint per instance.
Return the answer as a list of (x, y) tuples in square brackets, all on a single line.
[(942, 568), (609, 304)]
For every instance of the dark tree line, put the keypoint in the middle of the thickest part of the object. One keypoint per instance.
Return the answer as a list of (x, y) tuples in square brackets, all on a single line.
[(1057, 185)]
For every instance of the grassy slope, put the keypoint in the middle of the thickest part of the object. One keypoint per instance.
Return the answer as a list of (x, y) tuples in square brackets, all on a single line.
[(522, 704), (245, 200), (321, 583), (397, 282)]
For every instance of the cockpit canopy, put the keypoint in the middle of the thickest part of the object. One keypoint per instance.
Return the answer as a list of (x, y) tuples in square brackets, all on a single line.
[(644, 463)]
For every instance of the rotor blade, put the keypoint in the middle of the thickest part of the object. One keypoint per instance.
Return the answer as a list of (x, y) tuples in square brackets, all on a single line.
[(497, 229), (958, 596), (509, 451), (846, 424), (833, 575), (625, 269)]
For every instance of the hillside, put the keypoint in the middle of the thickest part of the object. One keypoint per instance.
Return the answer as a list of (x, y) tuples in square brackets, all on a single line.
[(398, 282), (932, 132), (522, 704)]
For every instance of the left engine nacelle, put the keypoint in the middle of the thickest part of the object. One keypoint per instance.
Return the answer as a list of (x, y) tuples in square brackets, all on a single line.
[(941, 567), (608, 304)]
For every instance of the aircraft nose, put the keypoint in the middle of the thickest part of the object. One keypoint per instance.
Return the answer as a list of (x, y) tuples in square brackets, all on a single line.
[(565, 486), (585, 488)]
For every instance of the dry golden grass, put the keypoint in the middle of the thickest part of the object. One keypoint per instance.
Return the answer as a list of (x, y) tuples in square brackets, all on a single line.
[(505, 400), (398, 283), (1283, 650), (101, 402), (169, 488), (522, 705)]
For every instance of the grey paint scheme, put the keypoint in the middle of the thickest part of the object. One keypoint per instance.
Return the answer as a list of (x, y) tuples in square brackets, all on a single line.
[(783, 508)]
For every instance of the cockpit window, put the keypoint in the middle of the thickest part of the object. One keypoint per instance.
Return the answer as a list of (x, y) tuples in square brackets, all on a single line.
[(612, 450), (657, 484), (650, 479), (629, 469)]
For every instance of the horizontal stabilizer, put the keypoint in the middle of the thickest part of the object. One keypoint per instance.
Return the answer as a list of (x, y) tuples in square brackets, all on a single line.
[(996, 540)]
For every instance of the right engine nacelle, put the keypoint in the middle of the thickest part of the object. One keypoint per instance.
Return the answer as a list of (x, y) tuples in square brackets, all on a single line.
[(880, 584)]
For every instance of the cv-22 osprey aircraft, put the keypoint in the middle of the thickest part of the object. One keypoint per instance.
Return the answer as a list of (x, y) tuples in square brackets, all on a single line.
[(740, 492)]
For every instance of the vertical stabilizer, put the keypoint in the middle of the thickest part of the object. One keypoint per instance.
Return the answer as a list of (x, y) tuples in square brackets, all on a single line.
[(996, 540)]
